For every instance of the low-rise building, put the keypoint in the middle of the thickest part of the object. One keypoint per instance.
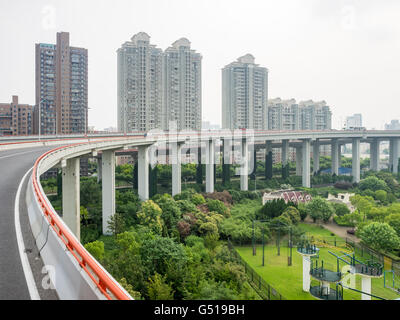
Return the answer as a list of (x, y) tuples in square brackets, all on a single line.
[(15, 118)]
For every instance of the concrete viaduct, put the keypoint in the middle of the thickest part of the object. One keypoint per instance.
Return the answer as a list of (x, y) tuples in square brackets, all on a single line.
[(95, 282)]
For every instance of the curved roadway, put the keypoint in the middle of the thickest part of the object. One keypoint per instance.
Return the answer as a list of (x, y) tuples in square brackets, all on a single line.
[(13, 285)]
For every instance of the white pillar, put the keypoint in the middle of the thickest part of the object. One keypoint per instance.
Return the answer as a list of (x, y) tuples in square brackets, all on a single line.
[(299, 161), (326, 289), (356, 160), (108, 187), (316, 156), (244, 167), (335, 156), (306, 163), (143, 172), (71, 196), (365, 287), (306, 273), (176, 168), (210, 149), (99, 169), (374, 155), (285, 152)]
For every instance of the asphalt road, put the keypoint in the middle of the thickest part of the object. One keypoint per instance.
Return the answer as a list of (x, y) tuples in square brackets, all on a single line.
[(13, 166)]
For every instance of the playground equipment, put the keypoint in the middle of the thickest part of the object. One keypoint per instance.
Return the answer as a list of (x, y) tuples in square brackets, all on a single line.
[(325, 275), (307, 250), (367, 270)]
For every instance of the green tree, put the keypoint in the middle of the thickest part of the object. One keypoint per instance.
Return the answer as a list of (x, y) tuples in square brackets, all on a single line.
[(150, 215), (381, 195), (171, 212), (319, 208), (293, 214), (96, 249), (394, 221), (158, 289), (372, 183), (340, 209), (380, 236)]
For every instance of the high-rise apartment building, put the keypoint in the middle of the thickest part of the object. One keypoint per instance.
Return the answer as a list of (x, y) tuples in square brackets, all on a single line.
[(283, 114), (16, 118), (139, 85), (182, 86), (244, 95), (315, 115), (156, 89), (61, 87), (354, 121)]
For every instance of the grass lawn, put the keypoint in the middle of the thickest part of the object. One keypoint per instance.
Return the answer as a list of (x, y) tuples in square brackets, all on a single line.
[(288, 280)]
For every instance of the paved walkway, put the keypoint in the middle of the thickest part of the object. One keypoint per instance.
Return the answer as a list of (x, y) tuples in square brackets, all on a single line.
[(338, 230)]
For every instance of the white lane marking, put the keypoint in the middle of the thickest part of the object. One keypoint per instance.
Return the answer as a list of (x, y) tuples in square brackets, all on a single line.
[(33, 292), (15, 154)]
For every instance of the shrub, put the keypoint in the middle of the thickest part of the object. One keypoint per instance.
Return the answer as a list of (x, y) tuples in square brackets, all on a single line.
[(96, 249), (197, 199), (218, 206), (344, 185)]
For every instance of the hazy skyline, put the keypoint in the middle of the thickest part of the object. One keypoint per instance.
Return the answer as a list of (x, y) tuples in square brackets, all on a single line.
[(345, 52)]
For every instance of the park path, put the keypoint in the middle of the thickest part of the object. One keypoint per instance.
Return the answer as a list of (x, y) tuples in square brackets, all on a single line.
[(338, 230)]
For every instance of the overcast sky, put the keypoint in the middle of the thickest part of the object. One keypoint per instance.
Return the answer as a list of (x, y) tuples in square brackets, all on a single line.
[(345, 52)]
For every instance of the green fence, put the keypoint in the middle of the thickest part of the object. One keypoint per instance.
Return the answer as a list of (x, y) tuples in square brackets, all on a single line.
[(258, 283)]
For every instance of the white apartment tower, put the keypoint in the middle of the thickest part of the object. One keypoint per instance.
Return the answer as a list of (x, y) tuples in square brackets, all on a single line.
[(182, 86), (139, 85), (244, 95)]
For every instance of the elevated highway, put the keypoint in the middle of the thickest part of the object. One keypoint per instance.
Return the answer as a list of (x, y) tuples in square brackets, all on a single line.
[(74, 273)]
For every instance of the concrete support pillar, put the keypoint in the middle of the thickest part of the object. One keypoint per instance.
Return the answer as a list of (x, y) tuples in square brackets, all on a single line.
[(176, 168), (268, 160), (108, 187), (356, 160), (299, 161), (71, 196), (394, 154), (335, 156), (365, 287), (244, 168), (143, 172), (306, 163), (340, 155), (99, 169), (326, 289), (210, 159), (285, 152), (316, 156), (374, 155), (306, 273)]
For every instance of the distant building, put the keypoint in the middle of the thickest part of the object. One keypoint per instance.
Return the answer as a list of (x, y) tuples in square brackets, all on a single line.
[(139, 85), (206, 125), (315, 115), (16, 118), (244, 95), (393, 125), (182, 86), (61, 87), (156, 89), (283, 114), (354, 122)]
